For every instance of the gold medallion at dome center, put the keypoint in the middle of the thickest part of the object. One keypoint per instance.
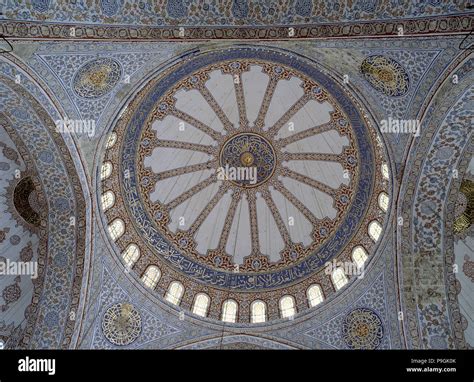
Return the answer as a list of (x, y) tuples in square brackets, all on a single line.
[(247, 159)]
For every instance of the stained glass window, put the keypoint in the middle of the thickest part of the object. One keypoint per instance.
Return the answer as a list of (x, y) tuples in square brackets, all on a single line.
[(229, 311), (116, 229), (383, 201), (131, 255), (287, 306), (375, 230), (106, 170), (315, 295), (339, 278), (258, 312), (175, 292), (359, 255), (201, 304), (108, 200), (151, 276)]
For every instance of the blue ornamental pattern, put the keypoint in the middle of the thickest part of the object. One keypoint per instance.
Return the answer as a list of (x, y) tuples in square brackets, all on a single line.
[(40, 5), (58, 184), (304, 7), (368, 6), (109, 7), (176, 8), (152, 326), (235, 12), (240, 9), (330, 330)]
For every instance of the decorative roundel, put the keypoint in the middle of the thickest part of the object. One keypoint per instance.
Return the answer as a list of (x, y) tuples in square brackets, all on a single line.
[(385, 75), (97, 77), (109, 7), (240, 173), (362, 329), (121, 324), (41, 5), (247, 151)]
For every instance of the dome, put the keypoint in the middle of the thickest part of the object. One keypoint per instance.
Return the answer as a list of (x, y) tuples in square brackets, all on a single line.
[(244, 174)]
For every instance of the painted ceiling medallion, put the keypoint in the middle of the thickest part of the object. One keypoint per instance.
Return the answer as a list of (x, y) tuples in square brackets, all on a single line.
[(246, 169), (121, 324), (362, 329), (245, 152), (385, 75), (97, 78)]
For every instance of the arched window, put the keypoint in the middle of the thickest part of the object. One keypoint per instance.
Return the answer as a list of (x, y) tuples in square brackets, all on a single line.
[(131, 255), (385, 172), (111, 140), (359, 255), (339, 278), (287, 306), (175, 292), (258, 312), (151, 276), (106, 170), (383, 201), (375, 230), (315, 295), (108, 200), (201, 304), (116, 229), (229, 311)]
